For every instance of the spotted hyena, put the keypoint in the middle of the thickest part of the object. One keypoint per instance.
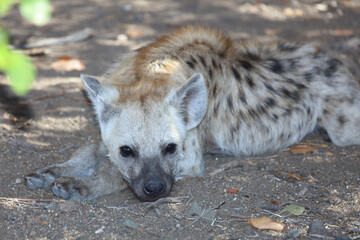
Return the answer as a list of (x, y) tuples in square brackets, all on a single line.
[(195, 91)]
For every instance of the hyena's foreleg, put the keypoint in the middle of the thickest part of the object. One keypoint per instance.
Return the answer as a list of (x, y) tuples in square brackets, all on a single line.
[(192, 163), (104, 181), (80, 177), (84, 162)]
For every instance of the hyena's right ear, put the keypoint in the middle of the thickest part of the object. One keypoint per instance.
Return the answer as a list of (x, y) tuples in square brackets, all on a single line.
[(100, 96), (191, 100)]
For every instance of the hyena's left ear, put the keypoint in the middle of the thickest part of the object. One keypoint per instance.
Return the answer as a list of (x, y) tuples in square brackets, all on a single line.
[(100, 96), (191, 100)]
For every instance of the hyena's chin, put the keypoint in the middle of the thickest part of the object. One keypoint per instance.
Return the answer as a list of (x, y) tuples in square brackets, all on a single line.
[(152, 188)]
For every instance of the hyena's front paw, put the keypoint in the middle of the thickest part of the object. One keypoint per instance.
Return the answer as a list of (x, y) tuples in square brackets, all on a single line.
[(70, 189), (42, 178)]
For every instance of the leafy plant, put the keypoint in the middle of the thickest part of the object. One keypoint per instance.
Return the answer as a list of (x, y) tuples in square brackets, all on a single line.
[(17, 66)]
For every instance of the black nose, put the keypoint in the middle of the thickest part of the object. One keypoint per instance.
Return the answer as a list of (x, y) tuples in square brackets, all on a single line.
[(154, 187)]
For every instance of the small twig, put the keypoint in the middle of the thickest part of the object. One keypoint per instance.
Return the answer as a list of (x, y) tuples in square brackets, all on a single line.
[(314, 144), (75, 37), (233, 215), (202, 215), (31, 200), (155, 204), (124, 208), (54, 96), (88, 222), (237, 163), (68, 147), (275, 214)]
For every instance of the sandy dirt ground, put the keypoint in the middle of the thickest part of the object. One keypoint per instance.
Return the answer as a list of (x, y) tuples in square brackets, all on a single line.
[(54, 119)]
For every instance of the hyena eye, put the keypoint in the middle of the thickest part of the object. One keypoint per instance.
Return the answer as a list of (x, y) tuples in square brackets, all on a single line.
[(126, 151), (170, 148)]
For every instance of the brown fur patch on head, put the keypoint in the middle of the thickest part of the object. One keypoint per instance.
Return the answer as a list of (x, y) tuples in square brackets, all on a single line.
[(158, 67)]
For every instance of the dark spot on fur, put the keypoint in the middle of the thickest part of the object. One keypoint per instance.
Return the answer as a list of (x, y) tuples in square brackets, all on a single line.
[(252, 56), (269, 87), (274, 117), (249, 81), (300, 86), (325, 112), (210, 72), (294, 95), (202, 60), (287, 47), (230, 103), (222, 54), (242, 99), (292, 64), (289, 136), (253, 113), (216, 108), (270, 102), (308, 76), (245, 64), (287, 112), (214, 63), (261, 109), (332, 67), (191, 62), (342, 119), (236, 74), (214, 90), (275, 66), (308, 110)]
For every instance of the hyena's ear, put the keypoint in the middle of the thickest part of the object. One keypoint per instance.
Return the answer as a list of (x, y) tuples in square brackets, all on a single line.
[(100, 96), (191, 99)]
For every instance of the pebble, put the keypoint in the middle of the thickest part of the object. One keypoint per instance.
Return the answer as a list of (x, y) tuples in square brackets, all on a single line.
[(293, 234), (317, 228), (51, 206), (195, 209), (67, 206), (130, 224), (100, 230)]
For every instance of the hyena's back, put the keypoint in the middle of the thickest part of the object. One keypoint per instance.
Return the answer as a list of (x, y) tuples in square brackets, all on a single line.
[(261, 96)]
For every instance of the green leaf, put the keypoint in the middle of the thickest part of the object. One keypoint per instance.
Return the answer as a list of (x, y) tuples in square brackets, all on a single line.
[(293, 209), (5, 6), (36, 11), (21, 73), (4, 37)]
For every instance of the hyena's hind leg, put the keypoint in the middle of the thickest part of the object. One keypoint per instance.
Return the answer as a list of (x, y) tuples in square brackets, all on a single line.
[(87, 175), (340, 114), (341, 120)]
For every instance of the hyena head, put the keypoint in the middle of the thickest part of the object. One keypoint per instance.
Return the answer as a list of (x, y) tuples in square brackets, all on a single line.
[(145, 138)]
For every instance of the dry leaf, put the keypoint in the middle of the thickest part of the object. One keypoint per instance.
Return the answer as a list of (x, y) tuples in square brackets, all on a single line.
[(66, 63), (276, 202), (265, 223), (342, 32), (232, 190), (302, 149), (329, 154), (292, 175)]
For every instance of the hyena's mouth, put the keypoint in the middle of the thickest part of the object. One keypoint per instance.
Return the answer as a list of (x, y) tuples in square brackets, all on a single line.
[(152, 188)]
